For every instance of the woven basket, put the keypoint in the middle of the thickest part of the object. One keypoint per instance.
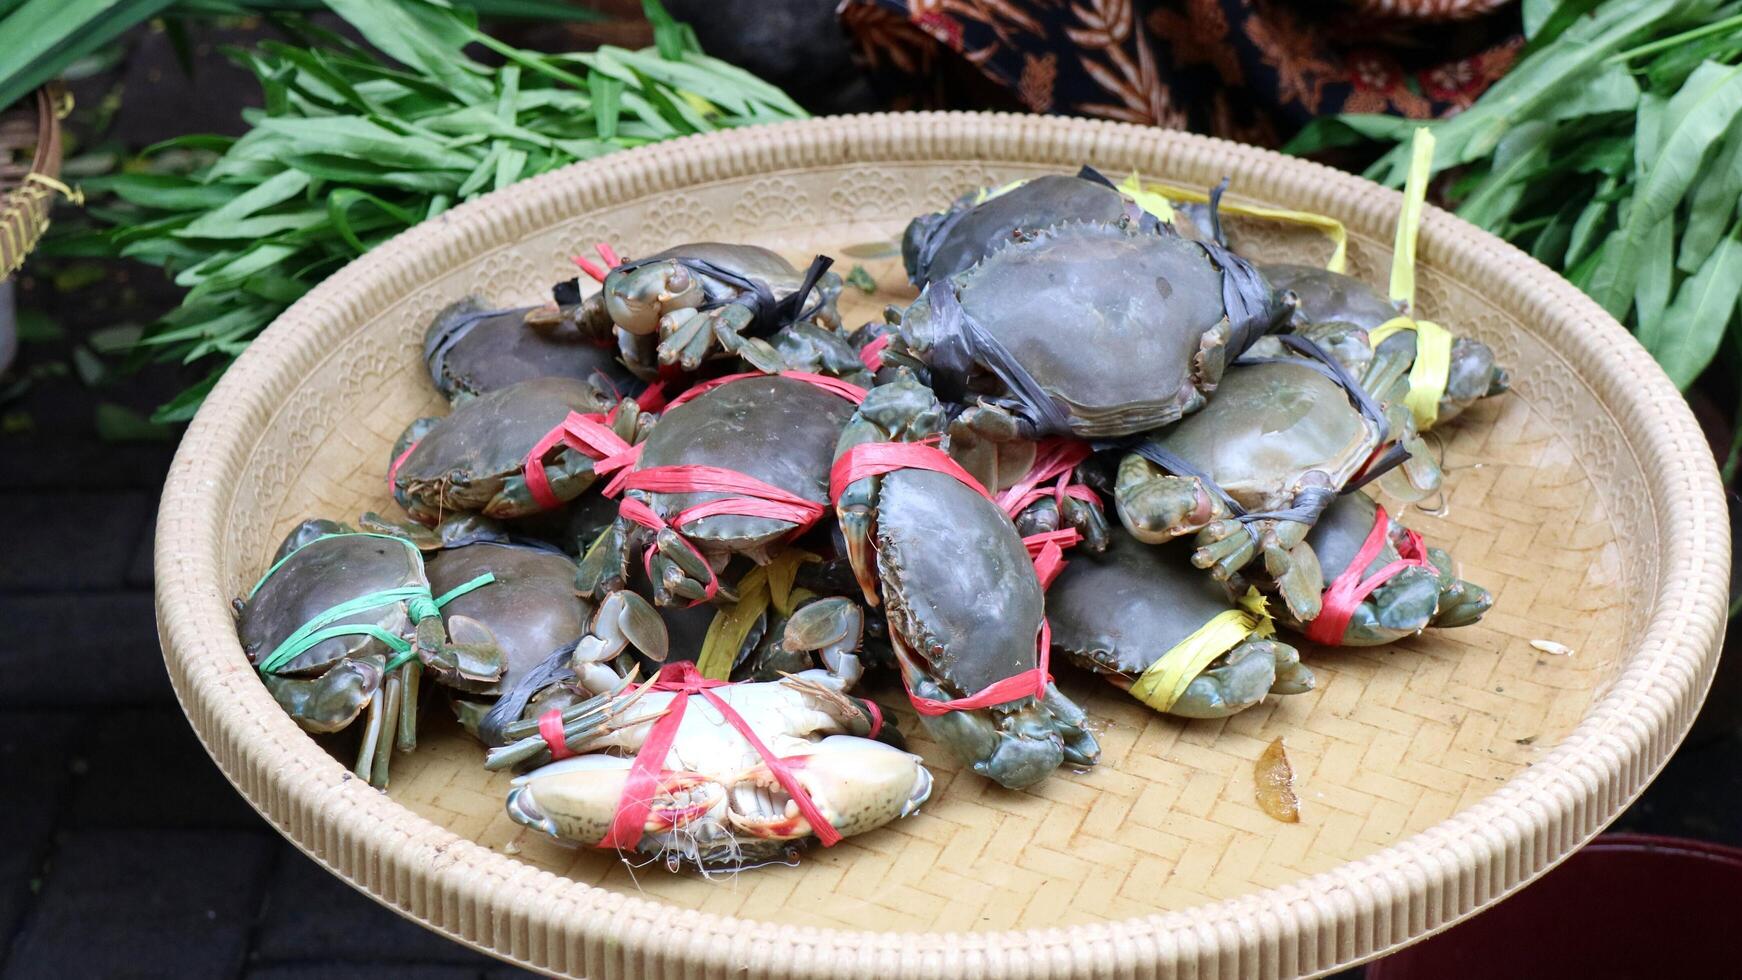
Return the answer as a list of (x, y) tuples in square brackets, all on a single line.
[(1436, 775), (25, 198)]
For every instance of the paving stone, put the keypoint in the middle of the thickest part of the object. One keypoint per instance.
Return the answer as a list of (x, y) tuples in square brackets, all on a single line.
[(36, 753), (310, 914), (82, 648), (360, 971), (144, 904), (65, 541), (145, 769), (140, 574)]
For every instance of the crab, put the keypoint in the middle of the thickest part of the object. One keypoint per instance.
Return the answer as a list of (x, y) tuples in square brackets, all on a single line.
[(1121, 613), (939, 245), (715, 801), (1330, 299), (471, 349), (1093, 330), (1251, 473), (531, 613), (476, 458), (1413, 586), (778, 431), (678, 307), (343, 623), (962, 599)]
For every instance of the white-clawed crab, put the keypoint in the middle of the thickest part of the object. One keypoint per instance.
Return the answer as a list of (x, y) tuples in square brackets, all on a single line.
[(715, 801)]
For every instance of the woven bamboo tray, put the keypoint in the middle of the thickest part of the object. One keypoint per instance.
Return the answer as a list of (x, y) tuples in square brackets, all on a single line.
[(1436, 775)]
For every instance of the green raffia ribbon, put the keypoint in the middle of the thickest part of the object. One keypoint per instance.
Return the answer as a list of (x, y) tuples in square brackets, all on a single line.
[(419, 603)]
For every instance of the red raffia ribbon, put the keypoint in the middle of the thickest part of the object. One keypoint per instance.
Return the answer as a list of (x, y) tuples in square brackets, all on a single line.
[(1054, 459), (748, 496), (550, 728), (642, 786), (393, 471), (593, 270), (1350, 589), (877, 458), (588, 434), (871, 355)]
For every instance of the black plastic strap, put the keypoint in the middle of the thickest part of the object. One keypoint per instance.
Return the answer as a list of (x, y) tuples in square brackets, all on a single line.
[(508, 708), (1316, 358), (1308, 504), (767, 314), (437, 346), (963, 343)]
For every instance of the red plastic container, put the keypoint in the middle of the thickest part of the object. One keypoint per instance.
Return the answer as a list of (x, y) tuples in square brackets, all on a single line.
[(1628, 905)]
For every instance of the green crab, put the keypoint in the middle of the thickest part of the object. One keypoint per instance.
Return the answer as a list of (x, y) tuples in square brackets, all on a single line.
[(1404, 588), (1140, 616), (344, 623), (1087, 329), (547, 633), (962, 599), (476, 458), (1252, 473), (1330, 300), (940, 245), (779, 431), (678, 307), (471, 349)]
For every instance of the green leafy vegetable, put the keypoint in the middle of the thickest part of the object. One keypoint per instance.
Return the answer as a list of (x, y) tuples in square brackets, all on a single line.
[(354, 147), (1613, 151)]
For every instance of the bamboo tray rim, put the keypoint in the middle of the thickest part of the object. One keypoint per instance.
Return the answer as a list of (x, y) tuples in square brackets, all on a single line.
[(1357, 911)]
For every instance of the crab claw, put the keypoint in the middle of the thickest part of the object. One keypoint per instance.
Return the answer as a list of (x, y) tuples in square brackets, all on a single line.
[(471, 660), (331, 701), (1461, 603), (637, 298), (857, 785), (1242, 677), (577, 799), (623, 619), (833, 628), (1157, 507)]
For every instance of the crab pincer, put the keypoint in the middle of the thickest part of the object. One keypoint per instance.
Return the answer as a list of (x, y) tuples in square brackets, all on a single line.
[(961, 593)]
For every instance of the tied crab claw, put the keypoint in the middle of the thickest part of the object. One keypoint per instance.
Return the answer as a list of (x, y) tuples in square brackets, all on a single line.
[(747, 769)]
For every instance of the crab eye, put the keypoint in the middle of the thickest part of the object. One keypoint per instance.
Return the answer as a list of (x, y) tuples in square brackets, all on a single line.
[(678, 279)]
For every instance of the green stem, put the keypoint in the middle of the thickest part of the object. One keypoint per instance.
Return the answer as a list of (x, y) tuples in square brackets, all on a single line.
[(525, 60), (1717, 27)]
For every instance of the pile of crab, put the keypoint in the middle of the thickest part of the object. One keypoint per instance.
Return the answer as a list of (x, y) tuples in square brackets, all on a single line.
[(673, 525)]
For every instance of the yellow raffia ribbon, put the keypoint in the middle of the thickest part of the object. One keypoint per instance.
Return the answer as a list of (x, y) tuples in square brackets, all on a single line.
[(1150, 201), (988, 193), (1421, 161), (1432, 369), (1133, 186), (1166, 680), (760, 587)]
